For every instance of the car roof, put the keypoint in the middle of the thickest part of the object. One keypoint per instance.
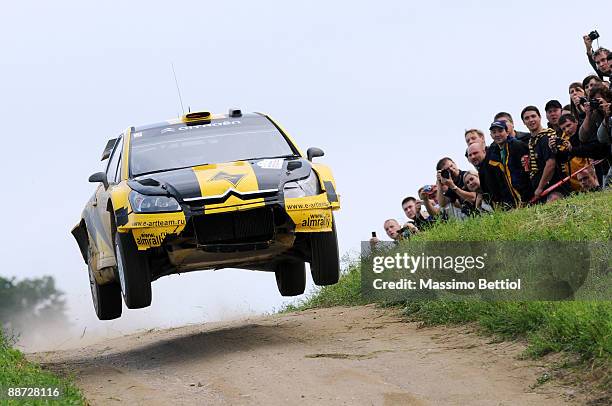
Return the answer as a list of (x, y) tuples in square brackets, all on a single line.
[(179, 120)]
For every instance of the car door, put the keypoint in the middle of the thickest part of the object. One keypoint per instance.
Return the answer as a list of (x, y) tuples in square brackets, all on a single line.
[(101, 214)]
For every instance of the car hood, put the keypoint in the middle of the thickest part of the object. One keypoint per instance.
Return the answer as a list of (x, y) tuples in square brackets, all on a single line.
[(215, 183)]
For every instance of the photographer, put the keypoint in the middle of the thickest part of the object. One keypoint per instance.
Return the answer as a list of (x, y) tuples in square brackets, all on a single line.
[(599, 58), (590, 82), (452, 194), (395, 231), (594, 108), (428, 194), (576, 93), (553, 110)]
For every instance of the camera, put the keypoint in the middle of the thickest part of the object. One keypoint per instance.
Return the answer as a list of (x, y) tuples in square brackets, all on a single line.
[(430, 190), (583, 100), (593, 35), (404, 232), (445, 174), (594, 103)]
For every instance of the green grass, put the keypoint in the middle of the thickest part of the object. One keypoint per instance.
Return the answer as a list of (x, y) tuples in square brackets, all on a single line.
[(579, 327), (16, 371)]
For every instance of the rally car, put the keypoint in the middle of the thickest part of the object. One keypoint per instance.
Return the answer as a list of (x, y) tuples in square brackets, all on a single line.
[(206, 191)]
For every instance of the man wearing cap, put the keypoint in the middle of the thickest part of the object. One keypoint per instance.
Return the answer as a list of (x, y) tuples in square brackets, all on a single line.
[(507, 183), (507, 118), (553, 113), (543, 170)]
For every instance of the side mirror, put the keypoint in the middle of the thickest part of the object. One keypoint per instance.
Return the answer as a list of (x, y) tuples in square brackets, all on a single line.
[(314, 152), (99, 177)]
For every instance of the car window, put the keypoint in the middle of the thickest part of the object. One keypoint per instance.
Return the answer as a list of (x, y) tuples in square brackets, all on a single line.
[(111, 170), (222, 140)]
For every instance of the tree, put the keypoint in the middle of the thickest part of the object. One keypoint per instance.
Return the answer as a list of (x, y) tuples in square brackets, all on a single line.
[(31, 304)]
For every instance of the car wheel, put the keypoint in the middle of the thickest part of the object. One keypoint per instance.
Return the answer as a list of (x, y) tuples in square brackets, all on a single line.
[(290, 278), (133, 272), (325, 263), (106, 298)]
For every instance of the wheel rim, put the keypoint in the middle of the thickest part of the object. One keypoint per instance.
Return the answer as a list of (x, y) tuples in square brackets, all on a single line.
[(120, 269)]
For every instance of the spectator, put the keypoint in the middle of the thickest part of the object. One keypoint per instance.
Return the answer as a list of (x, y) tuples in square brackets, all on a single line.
[(474, 135), (476, 154), (567, 109), (543, 170), (428, 195), (449, 180), (412, 208), (472, 181), (576, 91), (507, 183), (597, 59), (507, 118), (553, 114), (395, 232), (594, 116), (589, 82), (588, 180), (576, 153)]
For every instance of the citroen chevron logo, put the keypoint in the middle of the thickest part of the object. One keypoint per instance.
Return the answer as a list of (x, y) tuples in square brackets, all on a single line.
[(233, 179)]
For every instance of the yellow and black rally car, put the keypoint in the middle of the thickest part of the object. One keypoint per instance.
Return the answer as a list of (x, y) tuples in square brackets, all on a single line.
[(206, 191)]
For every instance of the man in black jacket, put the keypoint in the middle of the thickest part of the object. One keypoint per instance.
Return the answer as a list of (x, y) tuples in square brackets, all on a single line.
[(505, 180)]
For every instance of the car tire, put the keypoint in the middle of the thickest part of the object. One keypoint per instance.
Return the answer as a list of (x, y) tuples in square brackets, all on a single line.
[(290, 277), (106, 298), (133, 272), (325, 262)]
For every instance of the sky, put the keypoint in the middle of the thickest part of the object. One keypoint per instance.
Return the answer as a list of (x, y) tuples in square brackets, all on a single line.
[(385, 88)]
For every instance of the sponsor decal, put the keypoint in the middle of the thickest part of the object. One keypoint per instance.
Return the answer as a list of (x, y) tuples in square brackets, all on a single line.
[(307, 206), (150, 239), (233, 179), (138, 135), (168, 130), (159, 223), (317, 220), (270, 164)]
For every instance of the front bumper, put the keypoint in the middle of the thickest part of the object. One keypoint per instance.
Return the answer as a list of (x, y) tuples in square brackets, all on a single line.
[(239, 226)]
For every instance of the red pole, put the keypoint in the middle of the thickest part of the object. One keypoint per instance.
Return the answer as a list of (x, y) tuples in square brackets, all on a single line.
[(562, 181)]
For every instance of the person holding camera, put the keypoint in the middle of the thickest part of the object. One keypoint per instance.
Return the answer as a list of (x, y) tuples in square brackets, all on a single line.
[(394, 231), (543, 169), (452, 193), (595, 108), (427, 194), (590, 82), (576, 93), (599, 58)]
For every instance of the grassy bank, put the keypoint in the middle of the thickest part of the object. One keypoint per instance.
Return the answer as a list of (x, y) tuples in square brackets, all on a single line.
[(579, 327), (16, 371)]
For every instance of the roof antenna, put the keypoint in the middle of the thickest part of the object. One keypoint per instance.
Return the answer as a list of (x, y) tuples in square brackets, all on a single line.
[(178, 89)]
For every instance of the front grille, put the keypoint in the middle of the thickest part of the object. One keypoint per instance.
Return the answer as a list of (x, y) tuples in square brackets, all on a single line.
[(235, 227)]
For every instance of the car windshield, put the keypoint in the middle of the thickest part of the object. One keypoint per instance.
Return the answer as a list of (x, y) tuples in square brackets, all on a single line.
[(222, 140)]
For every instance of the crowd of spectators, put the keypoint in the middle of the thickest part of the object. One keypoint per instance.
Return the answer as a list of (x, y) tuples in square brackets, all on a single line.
[(572, 154)]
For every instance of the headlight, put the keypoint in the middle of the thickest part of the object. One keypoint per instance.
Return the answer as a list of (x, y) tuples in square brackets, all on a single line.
[(304, 187), (152, 204)]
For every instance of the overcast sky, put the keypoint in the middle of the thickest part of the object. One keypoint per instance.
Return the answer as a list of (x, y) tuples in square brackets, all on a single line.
[(385, 88)]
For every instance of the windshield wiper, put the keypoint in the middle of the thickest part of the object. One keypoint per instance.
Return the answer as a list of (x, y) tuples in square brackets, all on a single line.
[(272, 157), (166, 170)]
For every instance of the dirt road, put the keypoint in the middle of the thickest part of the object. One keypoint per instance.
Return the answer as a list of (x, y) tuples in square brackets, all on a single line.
[(338, 356)]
